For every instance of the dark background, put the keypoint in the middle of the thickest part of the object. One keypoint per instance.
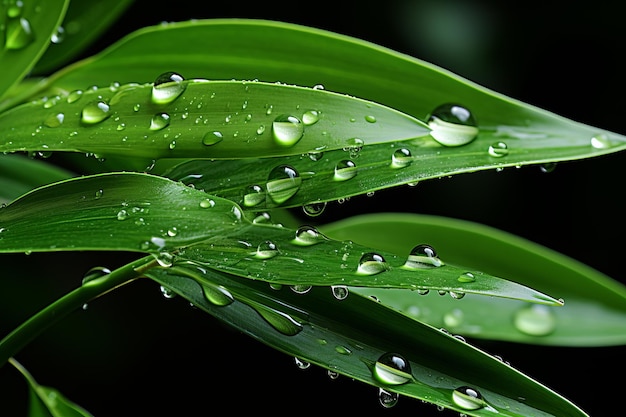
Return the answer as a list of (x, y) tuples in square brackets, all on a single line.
[(135, 353)]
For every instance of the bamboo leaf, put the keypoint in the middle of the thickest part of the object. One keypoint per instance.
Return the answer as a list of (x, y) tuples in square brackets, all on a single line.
[(145, 213), (307, 327), (27, 30), (593, 313)]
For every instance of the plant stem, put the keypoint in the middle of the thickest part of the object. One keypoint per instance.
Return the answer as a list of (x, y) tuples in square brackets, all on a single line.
[(31, 328)]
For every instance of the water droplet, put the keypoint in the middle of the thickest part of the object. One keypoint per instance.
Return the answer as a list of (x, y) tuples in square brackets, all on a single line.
[(600, 141), (122, 214), (164, 259), (342, 350), (422, 256), (266, 250), (345, 170), (14, 8), (262, 218), (282, 183), (535, 320), (95, 275), (370, 119), (310, 117), (167, 87), (159, 121), (253, 196), (172, 231), (466, 277), (212, 138), (332, 374), (58, 35), (354, 147), (468, 398), (302, 364), (18, 33), (95, 112), (387, 399), (167, 292), (401, 158), (279, 320), (54, 120), (207, 203), (457, 295), (74, 96), (392, 369), (307, 236), (547, 167), (314, 209), (452, 125), (371, 264), (287, 130), (498, 149), (301, 288), (340, 292), (216, 294)]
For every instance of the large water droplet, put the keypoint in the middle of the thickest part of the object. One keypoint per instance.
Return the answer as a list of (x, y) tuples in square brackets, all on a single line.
[(600, 141), (498, 150), (468, 398), (216, 294), (95, 112), (18, 33), (371, 263), (392, 369), (452, 125), (287, 130), (95, 275), (401, 158), (212, 138), (167, 87), (253, 196), (345, 170), (466, 277), (282, 183), (159, 121), (307, 236), (310, 117), (422, 256), (535, 320), (266, 250)]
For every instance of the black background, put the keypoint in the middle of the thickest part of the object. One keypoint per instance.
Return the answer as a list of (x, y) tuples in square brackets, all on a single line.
[(135, 353)]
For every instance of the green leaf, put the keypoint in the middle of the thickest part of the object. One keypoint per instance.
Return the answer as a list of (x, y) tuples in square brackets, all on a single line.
[(347, 336), (46, 401), (216, 119), (594, 312), (145, 213), (275, 51), (27, 30), (84, 22)]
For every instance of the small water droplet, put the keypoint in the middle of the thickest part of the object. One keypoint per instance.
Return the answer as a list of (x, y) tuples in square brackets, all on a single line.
[(14, 8), (332, 374), (535, 320), (253, 196), (371, 264), (18, 33), (457, 295), (401, 158), (165, 259), (167, 292), (54, 120), (452, 125), (547, 167), (279, 320), (310, 117), (95, 112), (302, 364), (342, 350), (600, 141), (468, 398), (266, 250), (466, 277), (159, 121), (212, 138), (314, 209), (58, 35), (217, 294), (498, 149), (354, 147), (340, 292), (307, 236), (283, 182), (74, 96), (207, 203), (387, 399), (262, 218), (301, 288), (370, 119), (172, 231), (287, 130), (167, 87), (392, 369), (122, 214), (95, 275), (422, 256), (345, 170)]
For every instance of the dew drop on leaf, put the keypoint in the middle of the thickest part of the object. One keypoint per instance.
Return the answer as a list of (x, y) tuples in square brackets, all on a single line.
[(307, 236), (392, 369), (266, 250), (310, 117), (345, 170), (600, 141), (314, 209), (387, 399), (94, 275), (167, 87), (18, 33), (253, 195), (95, 112), (340, 292), (212, 138), (468, 398), (422, 256), (452, 125), (371, 264), (216, 294), (54, 120), (159, 121), (283, 182), (287, 130), (498, 149), (535, 320), (466, 277), (401, 158)]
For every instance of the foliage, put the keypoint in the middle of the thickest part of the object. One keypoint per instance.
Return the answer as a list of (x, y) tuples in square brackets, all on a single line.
[(193, 168)]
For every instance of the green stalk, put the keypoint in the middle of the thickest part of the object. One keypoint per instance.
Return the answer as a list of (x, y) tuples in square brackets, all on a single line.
[(34, 326)]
